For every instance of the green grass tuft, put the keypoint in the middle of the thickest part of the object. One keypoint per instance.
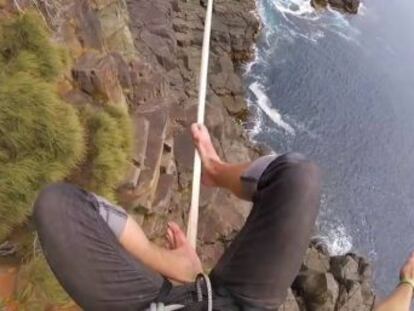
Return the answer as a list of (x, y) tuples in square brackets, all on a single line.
[(41, 137), (25, 45), (38, 288), (109, 132), (41, 141)]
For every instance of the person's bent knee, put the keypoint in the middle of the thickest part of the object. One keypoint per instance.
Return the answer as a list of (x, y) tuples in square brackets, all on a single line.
[(306, 171), (292, 157), (305, 178), (294, 168)]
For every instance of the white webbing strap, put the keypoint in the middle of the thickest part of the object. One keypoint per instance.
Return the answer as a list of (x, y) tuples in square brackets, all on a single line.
[(195, 197)]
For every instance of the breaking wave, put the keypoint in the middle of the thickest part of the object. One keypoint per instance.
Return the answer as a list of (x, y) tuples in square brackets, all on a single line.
[(263, 101)]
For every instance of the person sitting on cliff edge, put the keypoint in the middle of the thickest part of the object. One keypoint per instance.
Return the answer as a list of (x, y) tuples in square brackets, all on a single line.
[(103, 259)]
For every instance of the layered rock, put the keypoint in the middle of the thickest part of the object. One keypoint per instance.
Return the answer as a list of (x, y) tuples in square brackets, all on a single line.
[(167, 36)]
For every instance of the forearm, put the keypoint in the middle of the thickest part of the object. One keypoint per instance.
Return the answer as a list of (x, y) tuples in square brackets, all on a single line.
[(170, 263), (399, 300)]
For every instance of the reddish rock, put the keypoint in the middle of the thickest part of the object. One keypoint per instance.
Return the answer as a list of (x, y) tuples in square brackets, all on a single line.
[(7, 281), (97, 76)]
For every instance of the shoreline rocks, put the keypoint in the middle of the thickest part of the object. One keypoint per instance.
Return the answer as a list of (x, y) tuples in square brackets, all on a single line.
[(347, 6), (339, 283)]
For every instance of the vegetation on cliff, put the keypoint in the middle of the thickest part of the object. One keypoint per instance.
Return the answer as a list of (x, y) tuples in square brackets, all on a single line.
[(38, 287), (109, 133), (43, 139)]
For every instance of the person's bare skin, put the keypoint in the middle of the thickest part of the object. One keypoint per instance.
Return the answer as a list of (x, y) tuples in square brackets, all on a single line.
[(400, 298), (180, 262), (216, 172)]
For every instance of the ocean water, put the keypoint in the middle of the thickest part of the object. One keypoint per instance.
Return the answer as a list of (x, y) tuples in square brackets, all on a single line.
[(340, 89)]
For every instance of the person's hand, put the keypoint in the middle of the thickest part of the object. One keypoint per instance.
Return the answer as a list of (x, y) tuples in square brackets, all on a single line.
[(407, 271), (400, 298), (178, 243)]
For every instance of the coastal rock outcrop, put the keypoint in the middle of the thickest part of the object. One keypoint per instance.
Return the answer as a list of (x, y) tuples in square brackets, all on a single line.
[(333, 283), (348, 6)]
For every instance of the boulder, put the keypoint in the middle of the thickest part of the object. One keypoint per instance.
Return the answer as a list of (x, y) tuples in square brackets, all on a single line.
[(315, 261), (319, 290), (345, 268), (290, 303), (351, 299), (319, 3), (348, 6), (365, 269)]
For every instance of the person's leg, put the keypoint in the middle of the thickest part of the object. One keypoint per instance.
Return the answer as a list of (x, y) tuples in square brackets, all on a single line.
[(265, 257), (79, 235), (263, 260), (217, 173), (239, 178)]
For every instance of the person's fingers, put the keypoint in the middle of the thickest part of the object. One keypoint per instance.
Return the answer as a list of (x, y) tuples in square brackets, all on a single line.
[(195, 130), (170, 238), (179, 235), (171, 227)]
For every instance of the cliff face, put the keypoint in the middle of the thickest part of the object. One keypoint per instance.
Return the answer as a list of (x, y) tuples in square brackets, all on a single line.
[(146, 54), (167, 36)]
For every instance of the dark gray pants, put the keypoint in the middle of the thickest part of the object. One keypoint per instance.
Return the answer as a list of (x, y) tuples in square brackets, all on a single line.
[(255, 270)]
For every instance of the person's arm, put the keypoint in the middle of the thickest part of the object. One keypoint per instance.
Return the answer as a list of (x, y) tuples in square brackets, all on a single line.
[(400, 299), (179, 263)]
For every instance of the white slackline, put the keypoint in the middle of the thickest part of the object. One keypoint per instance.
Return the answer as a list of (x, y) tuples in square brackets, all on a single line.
[(195, 196)]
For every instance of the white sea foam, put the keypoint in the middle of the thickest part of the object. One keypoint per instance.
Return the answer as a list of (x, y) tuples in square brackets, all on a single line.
[(248, 66), (301, 8), (362, 9), (263, 101), (333, 233), (255, 121), (337, 239)]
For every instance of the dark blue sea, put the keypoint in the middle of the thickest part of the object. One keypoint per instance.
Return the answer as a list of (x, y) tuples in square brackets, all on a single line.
[(340, 89)]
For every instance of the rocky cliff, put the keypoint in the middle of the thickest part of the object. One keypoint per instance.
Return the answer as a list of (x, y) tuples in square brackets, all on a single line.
[(146, 54)]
